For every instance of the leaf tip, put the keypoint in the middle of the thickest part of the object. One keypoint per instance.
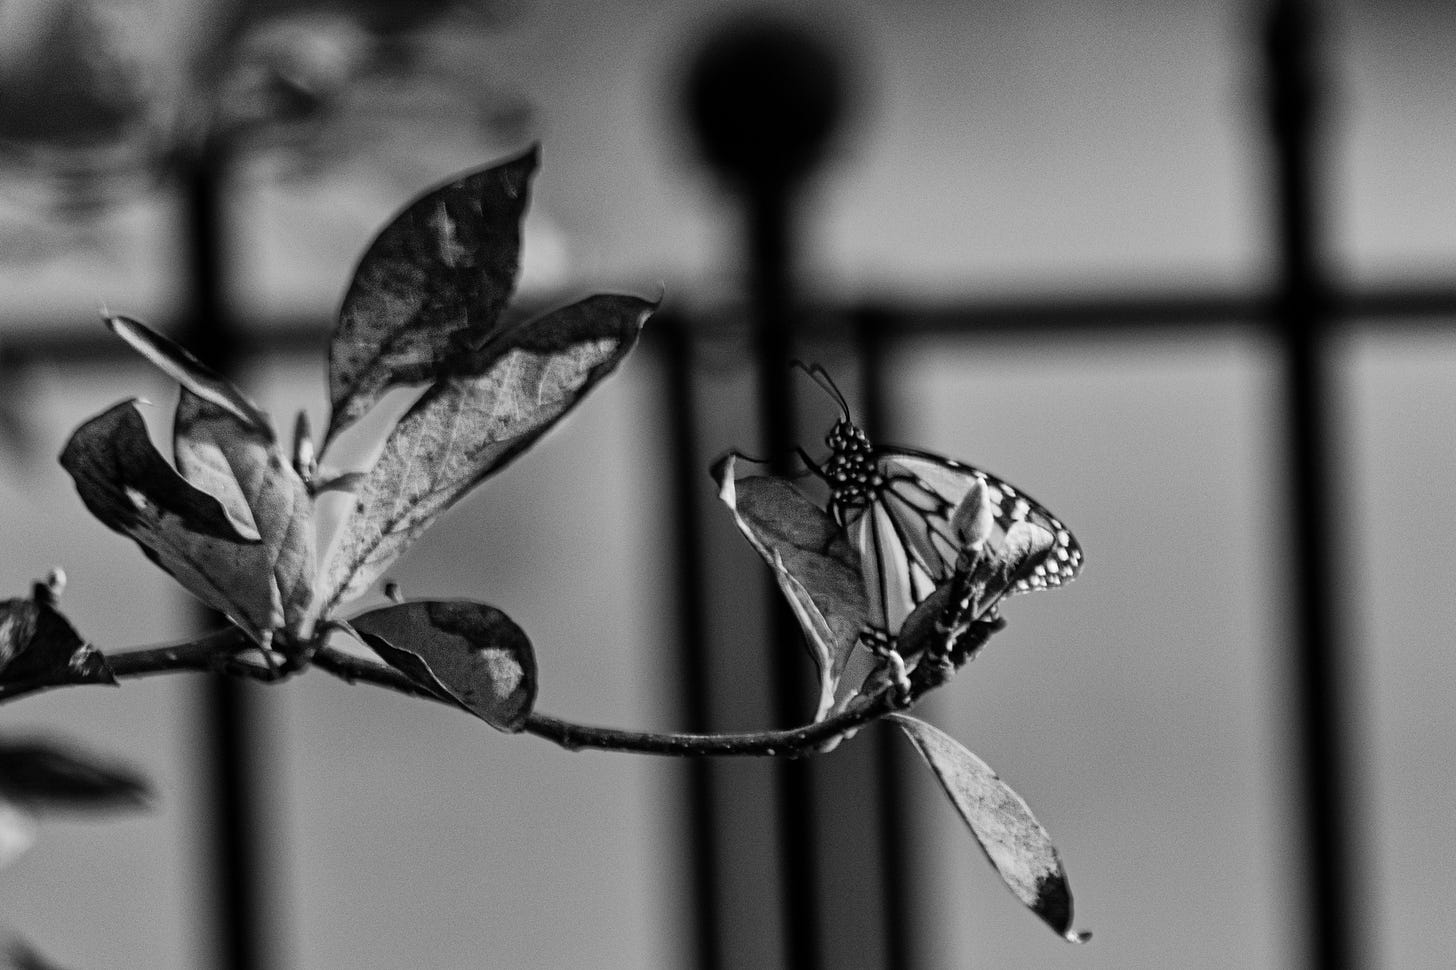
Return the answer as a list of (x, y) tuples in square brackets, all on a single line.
[(520, 168), (723, 472)]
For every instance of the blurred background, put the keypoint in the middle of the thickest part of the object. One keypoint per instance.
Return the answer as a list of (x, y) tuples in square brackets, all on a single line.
[(1044, 238)]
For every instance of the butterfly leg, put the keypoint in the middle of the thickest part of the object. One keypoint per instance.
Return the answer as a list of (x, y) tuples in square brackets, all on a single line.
[(883, 647)]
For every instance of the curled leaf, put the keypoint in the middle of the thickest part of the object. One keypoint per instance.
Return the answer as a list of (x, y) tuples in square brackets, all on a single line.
[(127, 484), (467, 652), (191, 373), (813, 563), (39, 646), (1015, 842), (248, 473), (469, 426), (429, 289)]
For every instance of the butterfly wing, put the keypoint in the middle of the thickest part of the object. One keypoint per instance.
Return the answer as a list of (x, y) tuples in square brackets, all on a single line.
[(907, 544), (895, 580)]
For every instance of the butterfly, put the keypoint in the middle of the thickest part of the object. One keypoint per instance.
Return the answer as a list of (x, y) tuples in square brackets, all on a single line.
[(899, 508)]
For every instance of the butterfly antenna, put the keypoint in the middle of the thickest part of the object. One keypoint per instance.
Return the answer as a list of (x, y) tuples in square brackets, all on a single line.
[(820, 376), (812, 467), (749, 458)]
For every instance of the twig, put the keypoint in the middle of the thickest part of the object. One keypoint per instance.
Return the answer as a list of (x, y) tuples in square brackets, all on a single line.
[(209, 652), (214, 651), (791, 743), (219, 652)]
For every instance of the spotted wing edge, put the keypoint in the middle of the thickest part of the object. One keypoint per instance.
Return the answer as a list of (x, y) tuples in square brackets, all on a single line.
[(950, 480)]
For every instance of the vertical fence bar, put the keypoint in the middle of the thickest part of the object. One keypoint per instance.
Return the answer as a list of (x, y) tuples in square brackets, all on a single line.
[(764, 97), (228, 713), (773, 342), (692, 626), (872, 330), (1303, 314)]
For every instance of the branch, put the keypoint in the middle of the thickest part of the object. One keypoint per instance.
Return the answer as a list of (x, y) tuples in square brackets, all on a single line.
[(215, 651), (575, 737), (220, 651), (792, 743)]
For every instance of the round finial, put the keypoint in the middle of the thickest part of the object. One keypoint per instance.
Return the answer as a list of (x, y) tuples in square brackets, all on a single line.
[(764, 96)]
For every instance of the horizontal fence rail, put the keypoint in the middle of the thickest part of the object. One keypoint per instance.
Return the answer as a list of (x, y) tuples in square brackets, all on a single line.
[(1392, 308)]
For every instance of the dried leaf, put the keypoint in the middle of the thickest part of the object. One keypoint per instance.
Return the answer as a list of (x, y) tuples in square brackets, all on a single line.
[(249, 474), (1015, 842), (469, 426), (127, 484), (39, 645), (468, 652), (429, 289), (43, 776), (813, 562), (191, 373)]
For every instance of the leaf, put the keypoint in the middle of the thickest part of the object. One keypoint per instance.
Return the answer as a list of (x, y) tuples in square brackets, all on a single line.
[(1015, 842), (429, 289), (127, 484), (469, 426), (467, 652), (124, 481), (191, 373), (249, 474), (815, 566), (44, 776), (39, 645)]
